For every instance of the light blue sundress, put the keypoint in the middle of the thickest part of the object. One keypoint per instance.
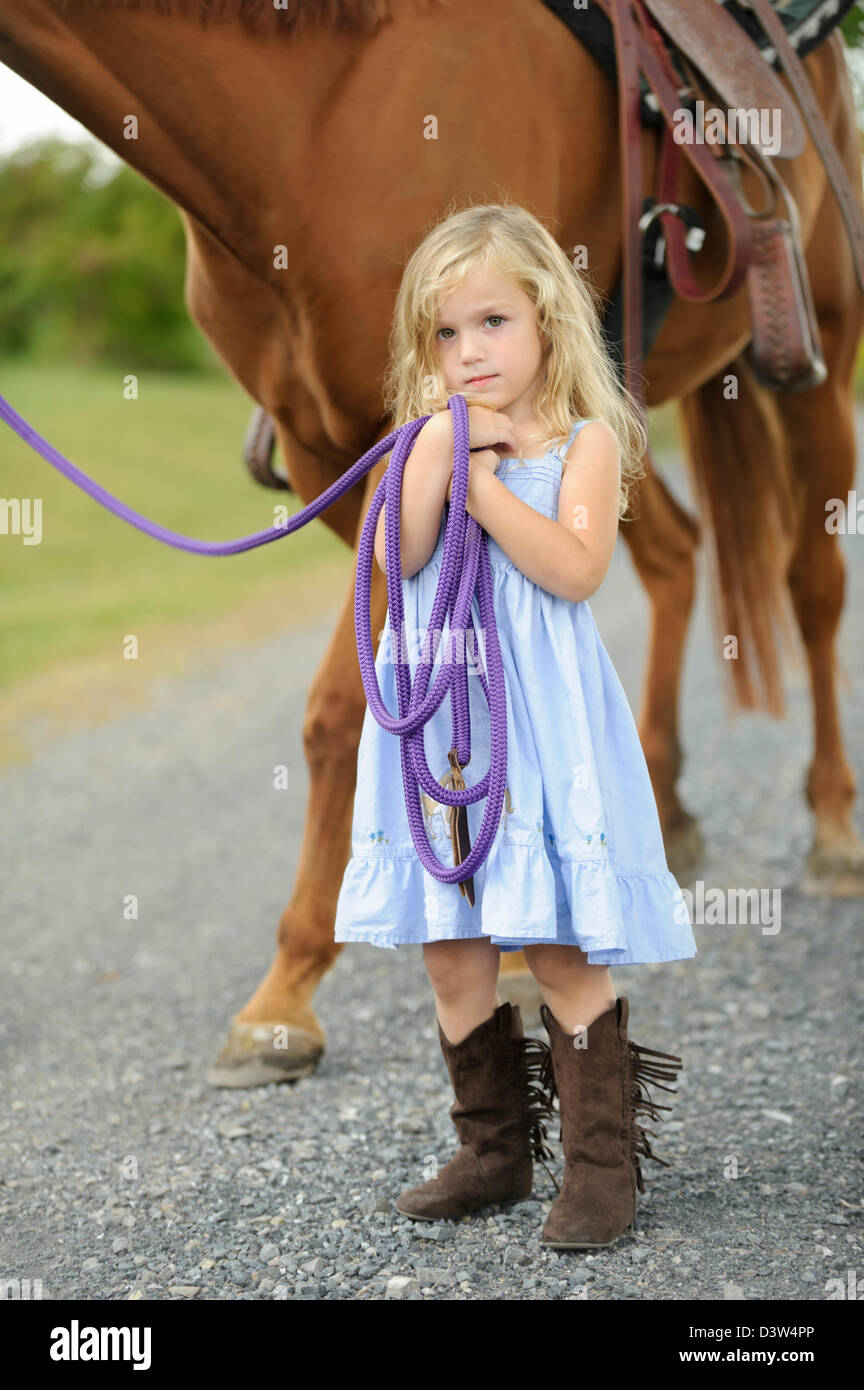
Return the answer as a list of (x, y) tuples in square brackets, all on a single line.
[(578, 856)]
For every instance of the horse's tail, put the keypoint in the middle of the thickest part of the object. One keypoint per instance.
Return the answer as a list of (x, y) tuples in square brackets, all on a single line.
[(733, 436)]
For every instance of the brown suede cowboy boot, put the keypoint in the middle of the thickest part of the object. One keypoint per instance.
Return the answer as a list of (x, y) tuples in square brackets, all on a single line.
[(502, 1082), (600, 1087)]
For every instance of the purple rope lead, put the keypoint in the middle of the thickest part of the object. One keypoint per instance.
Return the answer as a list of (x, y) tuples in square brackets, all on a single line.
[(465, 567), (174, 538)]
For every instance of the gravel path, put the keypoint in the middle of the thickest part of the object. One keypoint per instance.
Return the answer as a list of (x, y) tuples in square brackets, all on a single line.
[(125, 1176)]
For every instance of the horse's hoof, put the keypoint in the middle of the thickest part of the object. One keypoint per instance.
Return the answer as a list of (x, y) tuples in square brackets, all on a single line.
[(836, 869), (685, 848), (522, 990), (256, 1054)]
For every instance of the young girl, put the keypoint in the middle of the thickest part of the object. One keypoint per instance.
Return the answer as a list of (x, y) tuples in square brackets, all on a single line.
[(490, 307)]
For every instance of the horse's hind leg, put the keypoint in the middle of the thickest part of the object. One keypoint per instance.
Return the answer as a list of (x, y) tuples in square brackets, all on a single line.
[(819, 428), (277, 1036), (663, 538)]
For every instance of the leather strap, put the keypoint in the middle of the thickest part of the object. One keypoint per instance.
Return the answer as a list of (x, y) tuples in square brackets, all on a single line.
[(850, 206), (630, 126), (258, 448), (732, 64), (644, 48), (707, 161)]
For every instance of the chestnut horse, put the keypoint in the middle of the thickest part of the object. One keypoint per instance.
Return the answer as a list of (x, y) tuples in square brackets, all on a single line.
[(340, 139)]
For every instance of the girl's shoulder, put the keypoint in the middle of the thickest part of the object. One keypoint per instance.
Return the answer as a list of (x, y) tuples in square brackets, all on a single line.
[(601, 429)]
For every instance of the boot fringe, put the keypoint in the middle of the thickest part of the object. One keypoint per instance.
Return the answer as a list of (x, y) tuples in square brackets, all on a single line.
[(642, 1073), (536, 1082)]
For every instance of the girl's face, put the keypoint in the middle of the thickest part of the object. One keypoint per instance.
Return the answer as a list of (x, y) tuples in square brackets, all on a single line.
[(487, 328)]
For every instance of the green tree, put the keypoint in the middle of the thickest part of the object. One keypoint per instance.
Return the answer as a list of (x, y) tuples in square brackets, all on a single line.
[(91, 268)]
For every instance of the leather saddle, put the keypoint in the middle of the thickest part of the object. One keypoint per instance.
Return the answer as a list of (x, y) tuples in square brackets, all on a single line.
[(673, 61), (697, 56)]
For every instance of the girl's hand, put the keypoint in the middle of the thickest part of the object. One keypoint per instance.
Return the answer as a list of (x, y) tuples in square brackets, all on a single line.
[(486, 427), (483, 461)]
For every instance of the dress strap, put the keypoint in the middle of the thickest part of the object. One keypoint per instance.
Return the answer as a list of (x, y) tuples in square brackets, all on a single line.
[(574, 430)]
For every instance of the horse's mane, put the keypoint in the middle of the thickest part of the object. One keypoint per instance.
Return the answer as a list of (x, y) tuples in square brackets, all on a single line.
[(261, 16)]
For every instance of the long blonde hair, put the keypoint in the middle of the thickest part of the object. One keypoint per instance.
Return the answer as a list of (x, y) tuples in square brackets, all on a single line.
[(579, 378)]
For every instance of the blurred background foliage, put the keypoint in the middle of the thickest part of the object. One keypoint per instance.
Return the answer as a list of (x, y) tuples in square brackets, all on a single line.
[(852, 29), (91, 269)]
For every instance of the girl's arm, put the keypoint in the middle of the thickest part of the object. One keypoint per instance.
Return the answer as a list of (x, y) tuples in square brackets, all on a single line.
[(570, 556), (424, 486)]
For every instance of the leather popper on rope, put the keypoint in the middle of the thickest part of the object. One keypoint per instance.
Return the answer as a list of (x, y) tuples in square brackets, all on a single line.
[(459, 824)]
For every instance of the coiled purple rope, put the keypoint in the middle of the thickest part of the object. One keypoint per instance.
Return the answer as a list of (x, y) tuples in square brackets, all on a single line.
[(465, 567), (465, 554)]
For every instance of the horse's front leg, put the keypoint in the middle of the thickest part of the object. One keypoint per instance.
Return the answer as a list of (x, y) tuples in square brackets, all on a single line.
[(276, 1036)]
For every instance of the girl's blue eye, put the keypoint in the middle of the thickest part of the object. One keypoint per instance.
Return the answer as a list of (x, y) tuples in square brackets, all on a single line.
[(486, 320)]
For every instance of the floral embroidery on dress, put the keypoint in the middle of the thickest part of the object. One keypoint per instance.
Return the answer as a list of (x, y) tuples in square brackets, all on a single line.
[(603, 842), (377, 836)]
